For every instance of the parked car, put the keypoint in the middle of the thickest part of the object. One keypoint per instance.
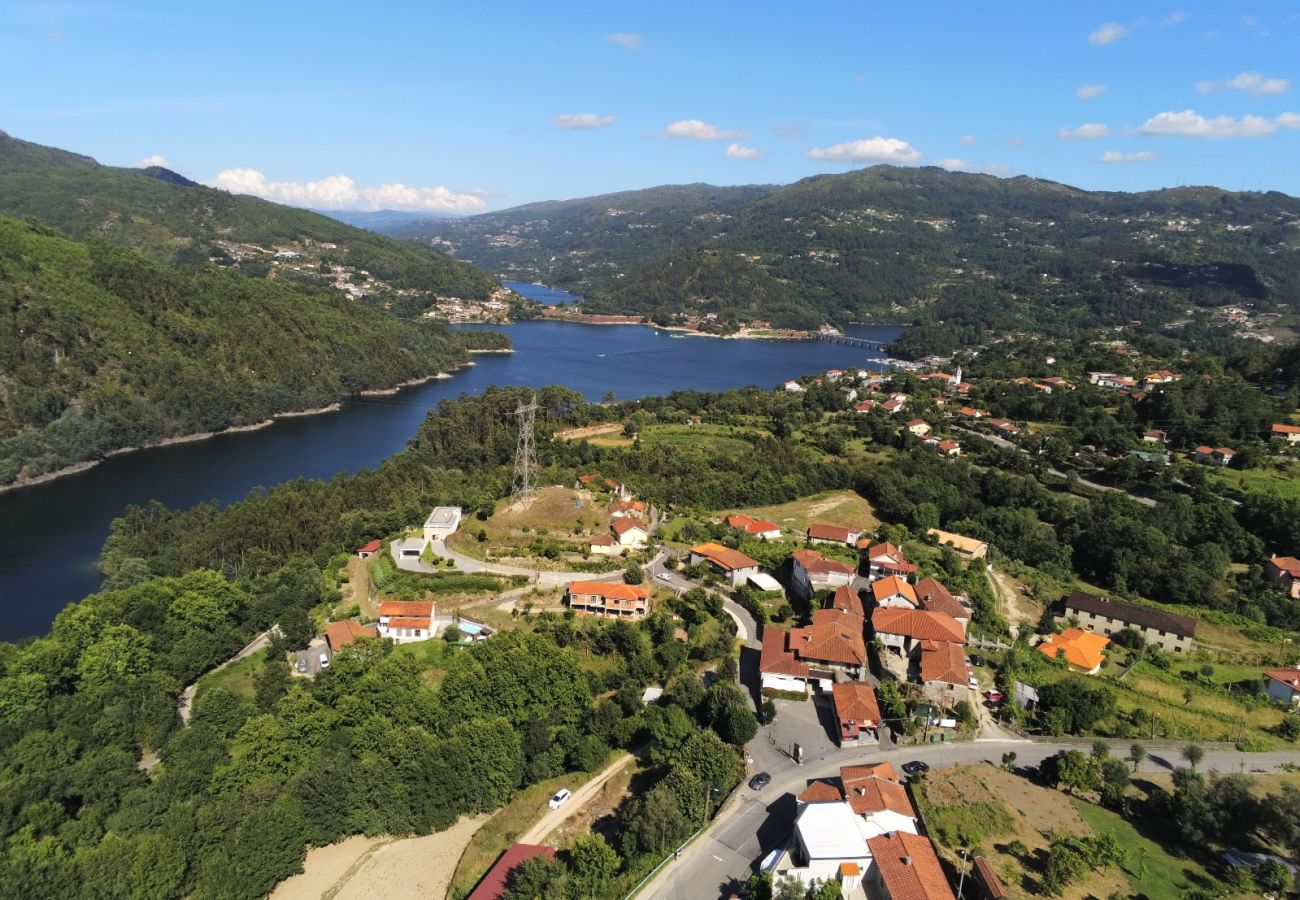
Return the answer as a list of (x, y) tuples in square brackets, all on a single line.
[(994, 696), (915, 767), (324, 661), (302, 664), (760, 781), (976, 659), (665, 576), (561, 797)]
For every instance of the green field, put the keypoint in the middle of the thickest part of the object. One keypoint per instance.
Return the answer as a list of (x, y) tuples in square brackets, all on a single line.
[(1284, 483), (720, 438), (1151, 870), (237, 677)]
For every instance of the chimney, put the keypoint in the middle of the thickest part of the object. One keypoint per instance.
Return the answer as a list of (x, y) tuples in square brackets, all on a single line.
[(907, 860)]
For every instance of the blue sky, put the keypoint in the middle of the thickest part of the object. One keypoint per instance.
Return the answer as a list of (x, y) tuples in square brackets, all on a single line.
[(464, 107)]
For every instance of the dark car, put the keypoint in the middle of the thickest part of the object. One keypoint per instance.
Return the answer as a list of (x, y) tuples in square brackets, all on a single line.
[(976, 659), (760, 781), (915, 767)]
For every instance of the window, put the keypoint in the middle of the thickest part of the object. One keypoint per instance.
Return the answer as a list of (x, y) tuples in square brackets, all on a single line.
[(1178, 648)]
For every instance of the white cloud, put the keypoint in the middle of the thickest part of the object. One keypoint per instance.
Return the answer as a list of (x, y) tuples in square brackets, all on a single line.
[(967, 139), (701, 131), (156, 160), (1114, 156), (1252, 83), (1289, 120), (341, 192), (1109, 32), (624, 40), (876, 149), (1190, 123), (1088, 91), (582, 121), (956, 165), (735, 151), (1177, 17), (1089, 132)]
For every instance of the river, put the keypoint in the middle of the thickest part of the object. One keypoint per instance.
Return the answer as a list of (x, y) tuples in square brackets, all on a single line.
[(51, 534)]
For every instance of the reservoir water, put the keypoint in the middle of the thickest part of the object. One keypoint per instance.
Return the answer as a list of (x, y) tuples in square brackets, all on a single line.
[(51, 534)]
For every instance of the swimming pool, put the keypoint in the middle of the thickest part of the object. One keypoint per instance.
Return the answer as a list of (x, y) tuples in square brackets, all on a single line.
[(468, 628)]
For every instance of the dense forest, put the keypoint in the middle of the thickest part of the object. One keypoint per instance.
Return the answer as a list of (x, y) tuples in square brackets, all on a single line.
[(173, 220), (102, 348), (957, 254)]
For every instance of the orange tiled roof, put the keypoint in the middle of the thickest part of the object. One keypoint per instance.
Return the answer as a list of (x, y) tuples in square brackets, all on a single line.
[(818, 564), (856, 700), (1287, 564), (943, 661), (877, 770), (824, 532), (409, 622), (1082, 648), (776, 659), (908, 867), (847, 599), (610, 590), (833, 637), (937, 598), (886, 587), (406, 608), (821, 792), (724, 557), (1286, 429), (918, 624), (623, 526), (750, 525), (341, 634), (871, 795)]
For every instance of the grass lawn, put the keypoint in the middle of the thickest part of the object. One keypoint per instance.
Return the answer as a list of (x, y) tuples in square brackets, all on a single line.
[(831, 508), (237, 678), (1284, 483), (1150, 869), (506, 825), (722, 438), (553, 515)]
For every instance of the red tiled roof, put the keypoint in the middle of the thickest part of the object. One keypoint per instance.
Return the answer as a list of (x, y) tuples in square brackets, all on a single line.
[(409, 622), (833, 637), (371, 547), (1287, 564), (821, 792), (610, 590), (1288, 677), (724, 557), (856, 700), (918, 623), (871, 795), (623, 526), (883, 550), (587, 479), (937, 598), (408, 608), (750, 525), (602, 540), (1286, 429), (775, 659), (943, 661), (908, 867), (892, 585), (948, 445), (817, 564), (847, 599), (340, 634), (823, 532), (878, 770), (1080, 648), (493, 885)]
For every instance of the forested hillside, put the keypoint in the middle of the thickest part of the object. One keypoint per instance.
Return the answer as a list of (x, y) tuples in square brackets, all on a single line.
[(922, 245), (101, 348), (174, 220)]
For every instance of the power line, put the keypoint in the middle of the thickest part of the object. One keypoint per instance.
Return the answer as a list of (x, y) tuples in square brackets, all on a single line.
[(525, 481)]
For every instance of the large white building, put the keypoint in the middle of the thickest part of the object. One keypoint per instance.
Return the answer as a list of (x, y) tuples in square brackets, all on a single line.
[(442, 522)]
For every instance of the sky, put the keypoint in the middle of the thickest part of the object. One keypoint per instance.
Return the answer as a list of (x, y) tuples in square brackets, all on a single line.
[(467, 107)]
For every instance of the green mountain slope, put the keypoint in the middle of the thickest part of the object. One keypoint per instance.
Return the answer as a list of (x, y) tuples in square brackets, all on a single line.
[(924, 245), (101, 348), (173, 220)]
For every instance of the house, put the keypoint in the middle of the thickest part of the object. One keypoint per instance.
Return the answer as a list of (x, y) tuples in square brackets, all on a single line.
[(733, 564), (834, 374), (970, 548), (1215, 456), (587, 481), (493, 884), (602, 545), (1155, 436), (968, 412), (810, 570), (1288, 433), (856, 710), (442, 522), (793, 387), (628, 532), (894, 591), (1170, 632), (948, 447), (634, 508), (935, 596), (894, 404), (903, 630), (618, 489), (1081, 650), (790, 660), (759, 528), (847, 600), (907, 868), (1004, 427), (406, 621), (608, 599), (1056, 383), (944, 669), (832, 534), (1283, 685), (1284, 571), (874, 792), (370, 549), (866, 406), (918, 427), (886, 559), (340, 634), (409, 548), (830, 844)]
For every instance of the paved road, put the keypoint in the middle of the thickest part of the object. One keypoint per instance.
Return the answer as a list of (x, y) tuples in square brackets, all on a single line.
[(186, 702), (1007, 445), (555, 817), (746, 627), (753, 823)]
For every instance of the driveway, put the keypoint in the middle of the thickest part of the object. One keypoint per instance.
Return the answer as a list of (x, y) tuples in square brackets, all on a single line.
[(661, 575), (472, 565)]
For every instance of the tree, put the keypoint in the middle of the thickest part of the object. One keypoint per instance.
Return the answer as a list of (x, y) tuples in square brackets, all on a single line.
[(539, 878), (1077, 771), (759, 887), (1136, 754), (729, 714), (633, 575), (592, 865), (1100, 749), (1193, 753), (1272, 877)]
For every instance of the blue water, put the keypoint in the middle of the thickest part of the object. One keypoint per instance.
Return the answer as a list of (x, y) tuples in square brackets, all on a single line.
[(51, 534), (541, 293), (468, 627)]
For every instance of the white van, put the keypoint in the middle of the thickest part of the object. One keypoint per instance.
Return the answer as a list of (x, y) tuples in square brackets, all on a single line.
[(324, 661), (561, 797)]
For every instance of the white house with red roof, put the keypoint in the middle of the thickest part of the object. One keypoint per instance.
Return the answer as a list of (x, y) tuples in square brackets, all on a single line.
[(607, 599), (406, 621), (1284, 571), (1214, 456), (886, 559), (892, 591), (918, 427), (819, 532), (369, 549), (602, 545), (759, 528), (903, 630), (1283, 685), (1284, 432), (628, 532)]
